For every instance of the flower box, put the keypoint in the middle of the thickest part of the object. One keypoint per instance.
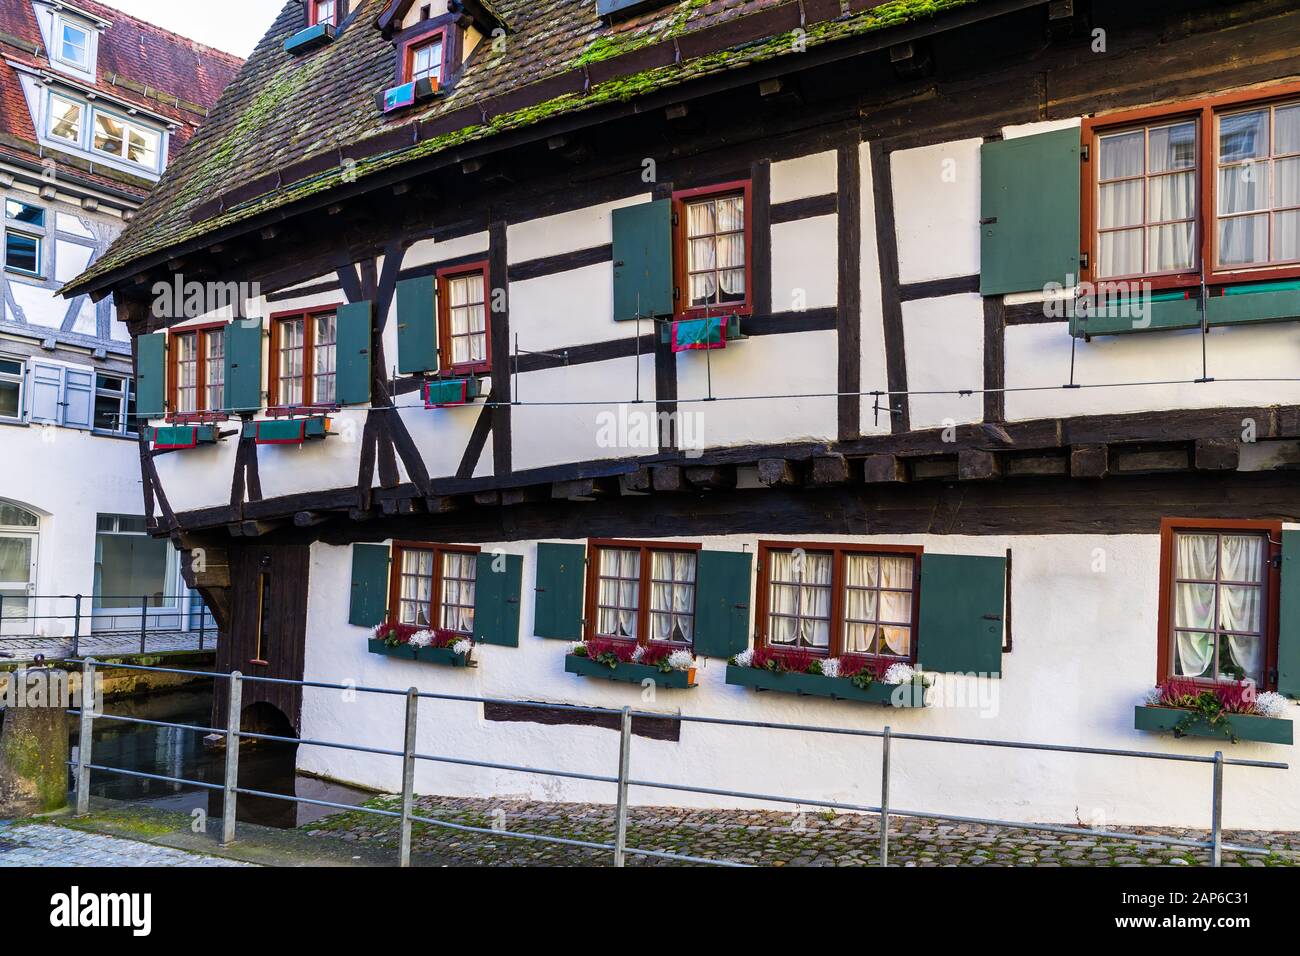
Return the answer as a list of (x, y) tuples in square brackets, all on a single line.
[(449, 392), (171, 437), (407, 94), (1164, 720), (836, 688), (428, 655), (631, 673), (309, 38), (287, 431)]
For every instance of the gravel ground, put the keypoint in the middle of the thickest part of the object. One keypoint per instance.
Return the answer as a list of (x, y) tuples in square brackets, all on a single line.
[(41, 844), (768, 838)]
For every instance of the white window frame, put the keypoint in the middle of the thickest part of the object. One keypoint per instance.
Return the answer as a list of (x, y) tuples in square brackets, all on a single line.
[(174, 588), (20, 379), (125, 424), (63, 24), (128, 125), (80, 141), (40, 253)]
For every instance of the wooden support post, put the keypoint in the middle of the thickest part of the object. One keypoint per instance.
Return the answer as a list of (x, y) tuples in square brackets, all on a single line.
[(1217, 454), (880, 469), (975, 464), (1089, 461), (667, 478), (832, 469), (777, 473), (711, 477)]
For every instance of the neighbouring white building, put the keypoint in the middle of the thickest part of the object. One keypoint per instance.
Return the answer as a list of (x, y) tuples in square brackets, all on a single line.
[(976, 341), (93, 103)]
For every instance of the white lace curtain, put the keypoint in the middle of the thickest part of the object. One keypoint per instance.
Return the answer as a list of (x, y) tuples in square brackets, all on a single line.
[(799, 609), (672, 596), (1222, 573)]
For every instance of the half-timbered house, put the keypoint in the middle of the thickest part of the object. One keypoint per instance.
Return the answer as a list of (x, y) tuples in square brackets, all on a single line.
[(955, 334)]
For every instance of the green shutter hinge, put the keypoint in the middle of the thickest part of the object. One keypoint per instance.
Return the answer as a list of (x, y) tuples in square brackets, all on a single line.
[(1084, 153)]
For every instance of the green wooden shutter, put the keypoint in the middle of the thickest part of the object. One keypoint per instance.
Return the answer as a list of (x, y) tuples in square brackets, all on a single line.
[(243, 345), (1029, 211), (561, 574), (959, 628), (643, 260), (369, 605), (496, 599), (417, 325), (1288, 631), (722, 592), (151, 375), (354, 335)]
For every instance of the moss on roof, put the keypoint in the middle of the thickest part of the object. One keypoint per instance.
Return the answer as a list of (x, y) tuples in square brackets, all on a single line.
[(201, 181)]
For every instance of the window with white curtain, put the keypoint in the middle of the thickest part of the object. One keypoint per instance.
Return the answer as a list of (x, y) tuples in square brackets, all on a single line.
[(435, 587), (1219, 605), (1258, 159), (713, 236), (1147, 200), (841, 600), (643, 593)]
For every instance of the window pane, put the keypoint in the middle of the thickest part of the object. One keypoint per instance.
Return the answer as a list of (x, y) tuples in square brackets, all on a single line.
[(1243, 188), (1243, 240), (672, 596), (75, 42), (1170, 247), (142, 147), (129, 566), (1193, 654), (1287, 188), (1120, 204), (22, 212), (15, 559), (1121, 155), (1120, 253), (1239, 608), (9, 393), (11, 516), (109, 134), (108, 413), (1173, 147), (1172, 197), (1241, 658), (65, 119), (1286, 235), (1194, 605), (22, 253), (1243, 136), (1286, 130)]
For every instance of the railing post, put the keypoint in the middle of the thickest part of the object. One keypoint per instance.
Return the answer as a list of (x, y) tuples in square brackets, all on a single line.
[(76, 626), (234, 709), (884, 799), (144, 621), (1216, 813), (620, 810), (203, 623), (408, 775), (86, 736)]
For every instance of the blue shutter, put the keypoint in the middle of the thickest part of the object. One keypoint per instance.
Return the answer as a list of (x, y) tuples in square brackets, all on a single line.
[(78, 397), (45, 394)]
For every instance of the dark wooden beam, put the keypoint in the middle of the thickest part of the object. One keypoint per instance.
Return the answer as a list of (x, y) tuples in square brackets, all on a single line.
[(832, 469), (777, 473), (883, 469), (974, 464), (1217, 454)]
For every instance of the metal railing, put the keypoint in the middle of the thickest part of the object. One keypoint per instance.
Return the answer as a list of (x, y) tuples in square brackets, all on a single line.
[(153, 611), (623, 781)]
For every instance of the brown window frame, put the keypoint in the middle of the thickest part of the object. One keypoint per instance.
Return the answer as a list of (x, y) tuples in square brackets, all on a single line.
[(838, 550), (1204, 112), (200, 332), (308, 402), (444, 277), (423, 32), (313, 8), (1272, 530), (590, 609), (400, 548), (681, 274)]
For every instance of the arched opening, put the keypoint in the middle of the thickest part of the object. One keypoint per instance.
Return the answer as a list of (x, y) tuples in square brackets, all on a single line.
[(19, 537), (264, 718)]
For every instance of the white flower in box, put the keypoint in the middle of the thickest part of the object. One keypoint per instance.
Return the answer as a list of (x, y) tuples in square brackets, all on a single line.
[(745, 658), (421, 639), (639, 652), (681, 660), (1270, 704), (831, 667), (1152, 697), (462, 647), (899, 674)]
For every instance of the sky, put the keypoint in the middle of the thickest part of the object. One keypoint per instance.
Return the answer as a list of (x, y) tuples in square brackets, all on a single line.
[(231, 25)]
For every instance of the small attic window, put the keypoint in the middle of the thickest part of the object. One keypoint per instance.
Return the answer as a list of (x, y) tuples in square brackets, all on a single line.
[(323, 11), (606, 8), (424, 60)]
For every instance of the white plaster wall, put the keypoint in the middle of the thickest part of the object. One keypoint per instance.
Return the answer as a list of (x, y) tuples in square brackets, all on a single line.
[(566, 309), (805, 264), (813, 175), (761, 370), (1038, 357), (936, 210), (1074, 677), (551, 432), (944, 339), (566, 231)]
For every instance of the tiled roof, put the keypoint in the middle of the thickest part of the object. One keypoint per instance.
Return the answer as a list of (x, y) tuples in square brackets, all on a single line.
[(138, 63), (285, 124)]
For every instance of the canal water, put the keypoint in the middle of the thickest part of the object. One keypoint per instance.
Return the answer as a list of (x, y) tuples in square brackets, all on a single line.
[(174, 752)]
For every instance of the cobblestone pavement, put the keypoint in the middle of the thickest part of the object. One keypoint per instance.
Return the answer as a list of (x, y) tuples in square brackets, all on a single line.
[(41, 844), (102, 645), (769, 838)]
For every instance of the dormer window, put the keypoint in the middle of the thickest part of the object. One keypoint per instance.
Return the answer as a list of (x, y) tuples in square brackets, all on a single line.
[(323, 11), (425, 61), (122, 139), (74, 45), (65, 119)]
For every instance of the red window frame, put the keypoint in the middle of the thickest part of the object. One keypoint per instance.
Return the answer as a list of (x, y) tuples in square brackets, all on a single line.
[(200, 332), (313, 12), (444, 276), (591, 608), (406, 52), (1272, 591), (680, 199), (400, 548), (308, 344), (838, 550), (1204, 112)]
